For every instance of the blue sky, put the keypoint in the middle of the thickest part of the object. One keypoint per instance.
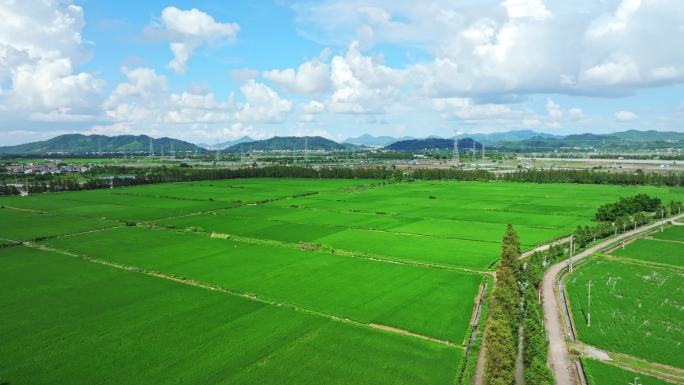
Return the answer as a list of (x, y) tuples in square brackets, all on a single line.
[(209, 71)]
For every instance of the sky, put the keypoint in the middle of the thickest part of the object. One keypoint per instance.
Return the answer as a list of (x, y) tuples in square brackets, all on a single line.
[(211, 71)]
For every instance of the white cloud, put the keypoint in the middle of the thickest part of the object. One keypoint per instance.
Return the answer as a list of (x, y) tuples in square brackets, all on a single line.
[(189, 29), (534, 9), (262, 104), (625, 116), (554, 110), (576, 113), (241, 75), (311, 78), (39, 43), (465, 109)]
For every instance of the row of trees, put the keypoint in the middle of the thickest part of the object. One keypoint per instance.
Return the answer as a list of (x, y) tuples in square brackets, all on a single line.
[(609, 212), (501, 333), (623, 215), (128, 176)]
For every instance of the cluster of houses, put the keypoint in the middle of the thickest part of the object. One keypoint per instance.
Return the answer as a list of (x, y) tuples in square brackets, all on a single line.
[(44, 169)]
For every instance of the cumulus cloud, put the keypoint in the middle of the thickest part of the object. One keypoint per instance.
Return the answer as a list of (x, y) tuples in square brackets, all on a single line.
[(262, 104), (39, 43), (310, 78), (533, 46), (625, 116), (189, 29)]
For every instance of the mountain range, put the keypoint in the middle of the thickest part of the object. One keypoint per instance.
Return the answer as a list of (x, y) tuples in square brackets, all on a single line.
[(510, 140), (93, 144), (289, 143), (464, 144)]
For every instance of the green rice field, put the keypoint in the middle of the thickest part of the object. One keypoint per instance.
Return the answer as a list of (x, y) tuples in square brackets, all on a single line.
[(599, 373), (672, 233), (635, 309), (69, 321), (259, 281), (664, 252)]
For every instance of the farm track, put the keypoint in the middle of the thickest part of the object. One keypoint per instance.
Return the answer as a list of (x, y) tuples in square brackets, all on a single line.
[(664, 240), (545, 247), (559, 356), (251, 297)]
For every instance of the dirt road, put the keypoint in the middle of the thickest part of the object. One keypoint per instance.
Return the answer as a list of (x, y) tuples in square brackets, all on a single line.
[(559, 358)]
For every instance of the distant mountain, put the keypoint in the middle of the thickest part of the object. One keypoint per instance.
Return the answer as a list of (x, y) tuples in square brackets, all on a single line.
[(508, 136), (83, 144), (632, 139), (375, 141), (464, 144), (289, 143)]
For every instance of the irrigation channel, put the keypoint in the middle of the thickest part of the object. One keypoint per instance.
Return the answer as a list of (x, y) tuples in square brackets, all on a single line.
[(555, 308)]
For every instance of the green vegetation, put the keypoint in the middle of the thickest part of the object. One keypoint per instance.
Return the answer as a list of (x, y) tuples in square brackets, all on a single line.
[(432, 302), (627, 206), (599, 373), (502, 325), (67, 320), (635, 309), (315, 262), (672, 233), (670, 253)]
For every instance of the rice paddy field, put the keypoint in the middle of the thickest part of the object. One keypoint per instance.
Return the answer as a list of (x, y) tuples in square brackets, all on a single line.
[(636, 309), (264, 281), (654, 250), (599, 373)]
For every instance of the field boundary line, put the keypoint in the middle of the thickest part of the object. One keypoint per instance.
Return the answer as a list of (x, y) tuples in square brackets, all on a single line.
[(651, 238), (640, 262), (664, 372), (331, 251), (23, 209), (251, 297)]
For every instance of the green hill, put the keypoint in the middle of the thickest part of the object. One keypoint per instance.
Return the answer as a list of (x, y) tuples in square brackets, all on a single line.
[(93, 144), (289, 143)]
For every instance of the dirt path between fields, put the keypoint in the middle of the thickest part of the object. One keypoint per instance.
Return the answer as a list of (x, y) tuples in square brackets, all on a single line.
[(564, 372), (248, 296)]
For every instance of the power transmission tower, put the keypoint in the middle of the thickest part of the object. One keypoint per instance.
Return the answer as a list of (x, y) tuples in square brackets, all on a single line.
[(99, 147), (483, 152), (151, 152), (456, 159), (306, 150), (589, 285)]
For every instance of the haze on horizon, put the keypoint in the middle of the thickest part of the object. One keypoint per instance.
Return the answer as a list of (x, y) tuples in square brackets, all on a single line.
[(207, 71)]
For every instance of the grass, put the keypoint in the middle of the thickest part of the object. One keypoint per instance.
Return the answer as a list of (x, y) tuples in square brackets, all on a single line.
[(20, 225), (635, 309), (67, 320), (672, 233), (669, 253), (433, 302), (599, 373)]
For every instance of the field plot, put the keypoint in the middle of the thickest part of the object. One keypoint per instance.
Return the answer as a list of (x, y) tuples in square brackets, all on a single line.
[(433, 302), (671, 253), (69, 321), (307, 267), (672, 233), (635, 309), (22, 225), (599, 373)]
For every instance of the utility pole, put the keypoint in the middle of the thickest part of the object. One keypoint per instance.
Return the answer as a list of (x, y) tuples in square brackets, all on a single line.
[(589, 285), (483, 152), (151, 152), (306, 150)]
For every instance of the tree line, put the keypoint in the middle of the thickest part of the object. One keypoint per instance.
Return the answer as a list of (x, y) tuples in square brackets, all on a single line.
[(501, 331), (116, 176)]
